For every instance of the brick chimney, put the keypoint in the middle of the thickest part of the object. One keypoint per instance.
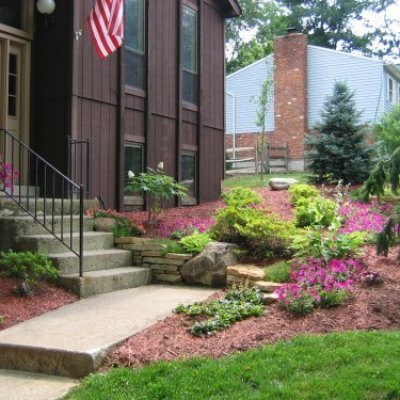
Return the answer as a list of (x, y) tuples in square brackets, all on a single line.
[(290, 55)]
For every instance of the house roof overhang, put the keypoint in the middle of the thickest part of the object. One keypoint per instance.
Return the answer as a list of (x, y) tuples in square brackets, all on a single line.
[(393, 70), (231, 8)]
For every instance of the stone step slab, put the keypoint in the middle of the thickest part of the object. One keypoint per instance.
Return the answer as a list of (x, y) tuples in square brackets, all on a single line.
[(246, 271), (68, 263), (267, 287), (49, 244), (69, 206), (105, 281)]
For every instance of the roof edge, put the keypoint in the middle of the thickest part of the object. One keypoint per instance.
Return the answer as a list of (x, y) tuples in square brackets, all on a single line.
[(234, 9), (393, 70)]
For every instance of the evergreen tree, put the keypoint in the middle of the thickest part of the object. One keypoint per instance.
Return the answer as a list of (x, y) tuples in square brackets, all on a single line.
[(339, 150)]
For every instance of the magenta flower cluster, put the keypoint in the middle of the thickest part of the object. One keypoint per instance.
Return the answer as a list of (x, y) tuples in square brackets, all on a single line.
[(361, 217), (8, 176), (315, 278), (195, 223)]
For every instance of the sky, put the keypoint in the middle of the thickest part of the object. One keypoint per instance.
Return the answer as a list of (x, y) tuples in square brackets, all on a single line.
[(360, 27)]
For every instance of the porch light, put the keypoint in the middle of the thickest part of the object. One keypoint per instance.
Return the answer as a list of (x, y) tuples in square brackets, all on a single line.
[(46, 6)]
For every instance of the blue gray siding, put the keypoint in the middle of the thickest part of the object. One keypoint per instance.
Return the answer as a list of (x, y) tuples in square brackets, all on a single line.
[(245, 85), (363, 75)]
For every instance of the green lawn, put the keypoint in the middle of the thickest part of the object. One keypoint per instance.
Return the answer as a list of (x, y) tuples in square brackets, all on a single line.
[(347, 366), (252, 181)]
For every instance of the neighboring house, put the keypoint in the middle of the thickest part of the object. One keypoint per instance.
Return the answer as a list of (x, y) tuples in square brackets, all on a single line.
[(158, 98), (304, 76)]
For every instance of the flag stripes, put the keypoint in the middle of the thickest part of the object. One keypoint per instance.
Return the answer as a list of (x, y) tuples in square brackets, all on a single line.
[(106, 24)]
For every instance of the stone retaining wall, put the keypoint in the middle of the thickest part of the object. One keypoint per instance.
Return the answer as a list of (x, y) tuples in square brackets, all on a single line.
[(165, 267)]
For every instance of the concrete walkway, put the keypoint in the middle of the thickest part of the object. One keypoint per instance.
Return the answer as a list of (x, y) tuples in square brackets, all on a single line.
[(73, 340)]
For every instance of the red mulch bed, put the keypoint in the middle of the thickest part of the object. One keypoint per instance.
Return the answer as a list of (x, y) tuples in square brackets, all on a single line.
[(369, 308), (16, 308)]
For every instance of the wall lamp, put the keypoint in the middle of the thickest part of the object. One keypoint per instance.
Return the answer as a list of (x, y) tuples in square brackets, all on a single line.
[(46, 6)]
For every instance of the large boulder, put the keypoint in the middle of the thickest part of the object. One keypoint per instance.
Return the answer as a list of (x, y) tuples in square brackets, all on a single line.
[(282, 183), (209, 267)]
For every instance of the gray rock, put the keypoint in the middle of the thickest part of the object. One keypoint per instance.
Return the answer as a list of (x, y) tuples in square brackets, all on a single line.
[(209, 267), (282, 183)]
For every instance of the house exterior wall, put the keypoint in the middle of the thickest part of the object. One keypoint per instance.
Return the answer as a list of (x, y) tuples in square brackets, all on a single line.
[(368, 78), (88, 97), (244, 87), (363, 75)]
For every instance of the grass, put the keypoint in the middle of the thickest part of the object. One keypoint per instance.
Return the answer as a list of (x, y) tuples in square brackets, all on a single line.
[(278, 272), (254, 182), (346, 366)]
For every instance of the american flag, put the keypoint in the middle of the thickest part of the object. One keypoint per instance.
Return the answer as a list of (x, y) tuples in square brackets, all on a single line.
[(106, 23)]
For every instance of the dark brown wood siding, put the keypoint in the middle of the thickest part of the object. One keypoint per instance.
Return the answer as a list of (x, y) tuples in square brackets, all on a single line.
[(211, 140), (76, 93)]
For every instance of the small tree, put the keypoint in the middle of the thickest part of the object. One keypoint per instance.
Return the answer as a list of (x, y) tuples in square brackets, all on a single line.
[(339, 151), (263, 104), (388, 130)]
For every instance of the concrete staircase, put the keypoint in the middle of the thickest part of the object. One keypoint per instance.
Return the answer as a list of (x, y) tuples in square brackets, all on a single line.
[(106, 268)]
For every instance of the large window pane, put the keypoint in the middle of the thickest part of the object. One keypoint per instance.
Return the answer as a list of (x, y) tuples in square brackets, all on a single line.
[(189, 40), (135, 43), (11, 13), (189, 55)]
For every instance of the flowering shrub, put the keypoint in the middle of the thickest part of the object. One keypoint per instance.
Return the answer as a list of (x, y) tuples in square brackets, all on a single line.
[(125, 224), (361, 217), (318, 284), (185, 227), (8, 176), (158, 186)]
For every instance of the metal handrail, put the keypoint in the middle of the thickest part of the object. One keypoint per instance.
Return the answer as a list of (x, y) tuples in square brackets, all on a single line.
[(22, 159), (79, 153)]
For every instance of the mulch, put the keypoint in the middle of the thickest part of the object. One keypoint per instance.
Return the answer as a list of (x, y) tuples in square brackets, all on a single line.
[(369, 308), (16, 308)]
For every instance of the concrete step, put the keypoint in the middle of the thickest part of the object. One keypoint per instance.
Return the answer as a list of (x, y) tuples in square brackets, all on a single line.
[(105, 281), (68, 263), (12, 227), (74, 340), (49, 244), (24, 190), (8, 207)]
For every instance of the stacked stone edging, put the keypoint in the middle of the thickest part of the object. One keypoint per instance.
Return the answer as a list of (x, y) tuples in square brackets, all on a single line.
[(165, 267)]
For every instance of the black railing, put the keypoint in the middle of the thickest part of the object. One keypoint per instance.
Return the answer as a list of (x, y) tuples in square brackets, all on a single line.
[(26, 176), (79, 163)]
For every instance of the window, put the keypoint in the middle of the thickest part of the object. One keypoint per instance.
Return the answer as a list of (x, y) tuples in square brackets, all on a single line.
[(11, 13), (135, 43), (390, 90), (189, 55), (133, 159), (13, 86), (189, 177)]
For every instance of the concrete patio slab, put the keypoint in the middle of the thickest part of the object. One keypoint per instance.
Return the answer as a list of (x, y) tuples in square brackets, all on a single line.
[(15, 385), (73, 340)]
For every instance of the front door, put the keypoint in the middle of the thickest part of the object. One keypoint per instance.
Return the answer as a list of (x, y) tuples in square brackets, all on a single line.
[(15, 59)]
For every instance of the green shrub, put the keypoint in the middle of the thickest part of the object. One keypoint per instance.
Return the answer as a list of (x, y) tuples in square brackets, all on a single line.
[(172, 246), (278, 272), (195, 243), (262, 235), (237, 304), (29, 267), (302, 305), (302, 191), (314, 211), (332, 298), (328, 245), (1, 318), (241, 197)]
